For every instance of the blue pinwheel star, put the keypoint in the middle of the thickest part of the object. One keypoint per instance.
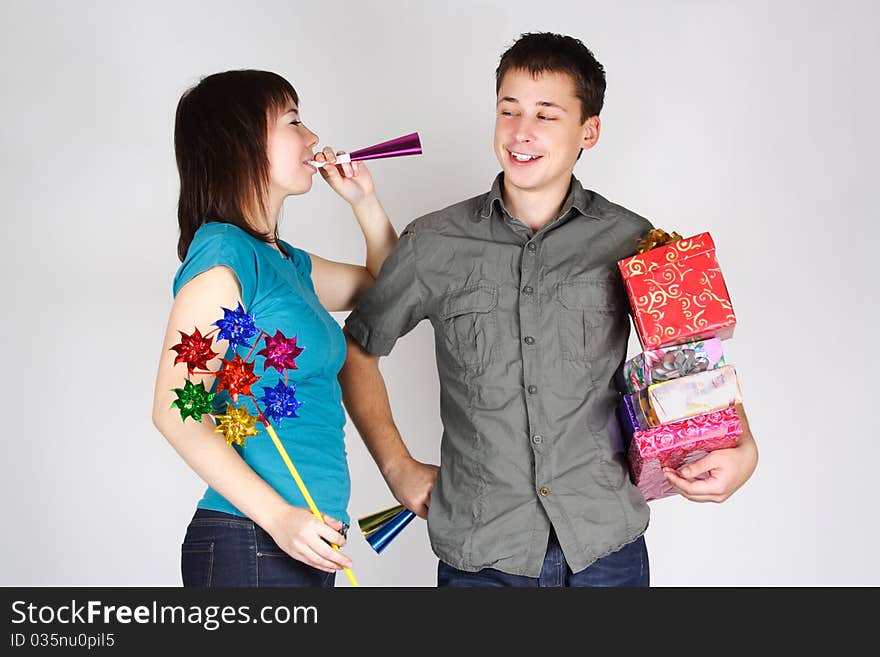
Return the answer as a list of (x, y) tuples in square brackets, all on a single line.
[(280, 402), (236, 326)]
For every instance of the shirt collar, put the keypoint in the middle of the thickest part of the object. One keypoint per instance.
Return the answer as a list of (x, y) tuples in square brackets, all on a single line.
[(577, 198)]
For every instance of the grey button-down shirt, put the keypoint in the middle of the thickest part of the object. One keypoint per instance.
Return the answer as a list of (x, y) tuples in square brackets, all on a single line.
[(529, 329)]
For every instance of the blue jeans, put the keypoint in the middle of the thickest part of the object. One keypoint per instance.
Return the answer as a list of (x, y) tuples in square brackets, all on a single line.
[(626, 567), (221, 549)]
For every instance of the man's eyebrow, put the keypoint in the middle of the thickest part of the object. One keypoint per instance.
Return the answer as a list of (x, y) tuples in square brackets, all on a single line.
[(547, 103), (292, 110), (540, 103)]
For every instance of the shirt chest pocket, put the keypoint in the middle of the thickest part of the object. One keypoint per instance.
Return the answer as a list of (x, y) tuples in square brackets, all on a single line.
[(469, 321), (591, 319)]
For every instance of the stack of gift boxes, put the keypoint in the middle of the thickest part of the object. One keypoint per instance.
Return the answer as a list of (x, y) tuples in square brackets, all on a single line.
[(680, 396)]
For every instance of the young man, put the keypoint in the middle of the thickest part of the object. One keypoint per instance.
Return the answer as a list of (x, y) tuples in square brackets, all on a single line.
[(531, 322)]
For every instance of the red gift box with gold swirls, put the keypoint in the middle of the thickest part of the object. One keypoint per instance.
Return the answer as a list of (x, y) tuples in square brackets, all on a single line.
[(678, 294)]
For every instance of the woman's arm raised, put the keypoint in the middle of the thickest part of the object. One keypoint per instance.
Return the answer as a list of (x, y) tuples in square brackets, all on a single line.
[(338, 284)]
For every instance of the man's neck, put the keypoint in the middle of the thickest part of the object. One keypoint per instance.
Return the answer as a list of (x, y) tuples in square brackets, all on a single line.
[(535, 208)]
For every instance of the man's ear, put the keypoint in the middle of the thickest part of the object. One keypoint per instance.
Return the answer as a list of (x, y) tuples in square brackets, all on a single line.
[(592, 127)]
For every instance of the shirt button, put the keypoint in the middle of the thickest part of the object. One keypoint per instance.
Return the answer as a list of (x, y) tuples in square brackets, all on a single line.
[(537, 439), (529, 339), (528, 289), (544, 491), (533, 390), (532, 247)]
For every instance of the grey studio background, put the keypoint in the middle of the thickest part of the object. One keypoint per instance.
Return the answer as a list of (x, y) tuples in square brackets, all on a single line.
[(754, 120)]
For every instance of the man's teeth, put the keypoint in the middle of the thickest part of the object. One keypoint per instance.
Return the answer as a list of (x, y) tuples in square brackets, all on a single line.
[(524, 158)]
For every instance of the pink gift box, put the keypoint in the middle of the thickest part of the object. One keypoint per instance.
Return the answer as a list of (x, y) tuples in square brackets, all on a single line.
[(676, 444)]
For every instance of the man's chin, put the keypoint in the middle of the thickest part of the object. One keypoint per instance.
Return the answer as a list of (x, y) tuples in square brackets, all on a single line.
[(527, 183)]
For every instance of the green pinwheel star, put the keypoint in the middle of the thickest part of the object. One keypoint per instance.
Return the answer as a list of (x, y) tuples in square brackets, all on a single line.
[(192, 401)]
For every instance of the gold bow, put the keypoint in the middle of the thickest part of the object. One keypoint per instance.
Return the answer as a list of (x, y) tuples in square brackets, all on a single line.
[(656, 237)]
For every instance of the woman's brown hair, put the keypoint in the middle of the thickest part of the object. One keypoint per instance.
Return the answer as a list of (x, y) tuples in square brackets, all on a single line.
[(220, 130)]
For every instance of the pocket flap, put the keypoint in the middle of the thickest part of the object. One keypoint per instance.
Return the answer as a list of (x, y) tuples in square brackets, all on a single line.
[(587, 293), (479, 298)]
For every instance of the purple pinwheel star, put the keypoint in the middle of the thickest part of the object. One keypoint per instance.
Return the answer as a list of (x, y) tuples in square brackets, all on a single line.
[(236, 326), (280, 402), (280, 352)]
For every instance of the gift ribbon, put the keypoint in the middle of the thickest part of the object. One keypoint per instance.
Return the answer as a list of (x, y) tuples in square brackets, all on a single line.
[(656, 237), (677, 364)]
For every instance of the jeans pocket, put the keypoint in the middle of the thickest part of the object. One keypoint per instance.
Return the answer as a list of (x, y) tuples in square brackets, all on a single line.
[(197, 563), (279, 569)]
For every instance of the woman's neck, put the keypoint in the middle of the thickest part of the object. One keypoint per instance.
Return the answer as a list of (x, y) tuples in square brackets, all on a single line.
[(268, 223)]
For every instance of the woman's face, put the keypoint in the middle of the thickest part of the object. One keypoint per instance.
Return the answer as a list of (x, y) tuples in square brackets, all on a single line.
[(289, 145)]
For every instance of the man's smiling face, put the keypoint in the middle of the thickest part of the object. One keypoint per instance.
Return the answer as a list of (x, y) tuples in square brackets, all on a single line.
[(538, 129)]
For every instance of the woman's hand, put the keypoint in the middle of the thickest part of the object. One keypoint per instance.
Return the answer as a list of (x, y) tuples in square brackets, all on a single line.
[(352, 180), (305, 538)]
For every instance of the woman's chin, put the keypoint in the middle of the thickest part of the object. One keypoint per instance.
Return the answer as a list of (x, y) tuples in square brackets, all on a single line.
[(300, 188)]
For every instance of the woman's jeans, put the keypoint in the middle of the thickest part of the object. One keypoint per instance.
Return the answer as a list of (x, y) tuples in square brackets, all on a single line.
[(226, 550), (626, 567)]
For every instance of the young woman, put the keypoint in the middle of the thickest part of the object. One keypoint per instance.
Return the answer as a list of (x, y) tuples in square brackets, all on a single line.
[(241, 149)]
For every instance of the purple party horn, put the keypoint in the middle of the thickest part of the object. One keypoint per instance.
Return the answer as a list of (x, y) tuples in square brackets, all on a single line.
[(406, 145)]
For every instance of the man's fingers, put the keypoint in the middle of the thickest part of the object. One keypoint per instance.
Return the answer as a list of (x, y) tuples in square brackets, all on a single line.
[(697, 487), (697, 468)]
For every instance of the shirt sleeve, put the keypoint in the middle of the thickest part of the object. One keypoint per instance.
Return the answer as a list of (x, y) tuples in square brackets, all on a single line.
[(220, 245), (393, 305)]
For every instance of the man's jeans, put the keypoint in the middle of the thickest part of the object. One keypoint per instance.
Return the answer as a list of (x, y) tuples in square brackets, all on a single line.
[(626, 567), (226, 550)]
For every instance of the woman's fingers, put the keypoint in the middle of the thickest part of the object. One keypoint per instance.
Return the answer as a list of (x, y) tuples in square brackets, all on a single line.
[(331, 535), (346, 167), (311, 557), (325, 551)]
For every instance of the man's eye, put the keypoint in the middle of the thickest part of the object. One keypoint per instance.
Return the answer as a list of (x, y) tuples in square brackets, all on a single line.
[(296, 123), (547, 118), (506, 113)]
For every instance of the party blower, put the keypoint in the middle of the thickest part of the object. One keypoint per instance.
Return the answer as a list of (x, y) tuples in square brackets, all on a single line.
[(382, 527), (406, 145)]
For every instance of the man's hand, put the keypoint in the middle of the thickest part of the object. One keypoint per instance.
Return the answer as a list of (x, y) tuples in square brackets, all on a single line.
[(411, 482), (718, 475)]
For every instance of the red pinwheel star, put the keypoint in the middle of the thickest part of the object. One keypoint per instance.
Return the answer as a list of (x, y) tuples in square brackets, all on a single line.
[(194, 350), (236, 376), (280, 352)]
